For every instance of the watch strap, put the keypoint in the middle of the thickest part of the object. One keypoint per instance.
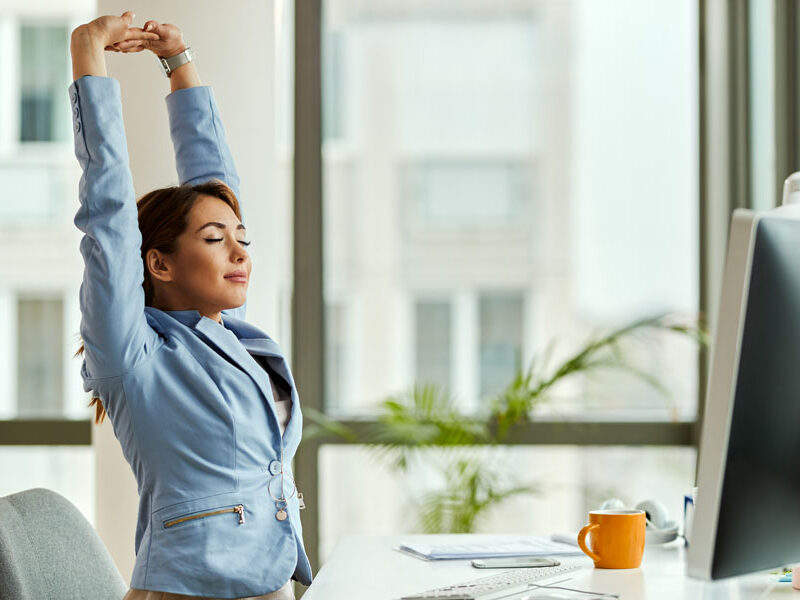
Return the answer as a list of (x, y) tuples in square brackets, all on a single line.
[(173, 62)]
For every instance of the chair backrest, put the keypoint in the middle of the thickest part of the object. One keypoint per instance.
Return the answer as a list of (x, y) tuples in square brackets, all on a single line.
[(49, 551)]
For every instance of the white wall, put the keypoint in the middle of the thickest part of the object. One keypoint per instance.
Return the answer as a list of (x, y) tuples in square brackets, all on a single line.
[(235, 54)]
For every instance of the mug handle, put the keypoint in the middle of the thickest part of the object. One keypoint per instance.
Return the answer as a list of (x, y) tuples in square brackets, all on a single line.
[(582, 541)]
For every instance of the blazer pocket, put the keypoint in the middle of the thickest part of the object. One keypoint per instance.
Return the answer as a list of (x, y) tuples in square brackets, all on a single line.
[(220, 511)]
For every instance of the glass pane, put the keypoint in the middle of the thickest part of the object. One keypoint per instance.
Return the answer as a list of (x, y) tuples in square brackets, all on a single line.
[(442, 194), (501, 341), (475, 149), (567, 482), (66, 470), (334, 370), (40, 377), (44, 55), (760, 21), (433, 352)]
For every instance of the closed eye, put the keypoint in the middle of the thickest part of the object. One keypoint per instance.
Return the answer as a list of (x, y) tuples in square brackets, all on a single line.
[(212, 240)]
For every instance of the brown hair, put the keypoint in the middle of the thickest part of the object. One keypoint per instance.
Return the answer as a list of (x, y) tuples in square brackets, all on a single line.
[(163, 216)]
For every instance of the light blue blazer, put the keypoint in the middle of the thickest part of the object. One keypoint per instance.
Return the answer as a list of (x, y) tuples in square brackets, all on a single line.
[(189, 403)]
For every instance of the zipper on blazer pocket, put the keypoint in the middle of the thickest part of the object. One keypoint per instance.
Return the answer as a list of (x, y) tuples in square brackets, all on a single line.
[(238, 509)]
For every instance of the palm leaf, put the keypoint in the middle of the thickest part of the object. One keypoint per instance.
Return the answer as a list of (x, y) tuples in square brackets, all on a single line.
[(606, 352)]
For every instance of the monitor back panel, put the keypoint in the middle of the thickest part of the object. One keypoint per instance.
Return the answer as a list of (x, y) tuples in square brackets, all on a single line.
[(759, 512)]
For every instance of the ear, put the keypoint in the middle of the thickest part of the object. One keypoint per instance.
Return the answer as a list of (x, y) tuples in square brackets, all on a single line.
[(158, 265)]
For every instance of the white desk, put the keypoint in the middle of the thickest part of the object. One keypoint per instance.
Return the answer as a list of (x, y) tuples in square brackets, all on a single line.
[(366, 567)]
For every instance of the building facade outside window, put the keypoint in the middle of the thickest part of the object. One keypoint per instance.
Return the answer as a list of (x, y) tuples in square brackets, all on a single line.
[(499, 177)]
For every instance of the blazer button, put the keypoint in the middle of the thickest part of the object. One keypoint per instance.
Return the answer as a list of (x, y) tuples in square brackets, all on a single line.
[(275, 467), (77, 126)]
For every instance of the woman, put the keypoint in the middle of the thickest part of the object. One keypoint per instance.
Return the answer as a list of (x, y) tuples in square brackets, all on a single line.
[(203, 403)]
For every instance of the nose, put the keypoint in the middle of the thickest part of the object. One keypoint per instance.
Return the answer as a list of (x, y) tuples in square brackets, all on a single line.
[(239, 253)]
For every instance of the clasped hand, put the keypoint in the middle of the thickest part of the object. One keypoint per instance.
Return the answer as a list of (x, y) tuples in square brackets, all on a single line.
[(115, 34)]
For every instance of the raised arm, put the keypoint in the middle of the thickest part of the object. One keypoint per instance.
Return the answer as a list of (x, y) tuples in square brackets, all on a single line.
[(201, 150), (113, 326), (198, 137)]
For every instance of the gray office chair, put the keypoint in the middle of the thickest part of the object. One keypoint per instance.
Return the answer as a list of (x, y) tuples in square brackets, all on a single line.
[(49, 551)]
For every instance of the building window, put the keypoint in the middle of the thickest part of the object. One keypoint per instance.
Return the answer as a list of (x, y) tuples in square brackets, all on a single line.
[(458, 194), (334, 351), (44, 73), (501, 330), (433, 341), (335, 84), (40, 377)]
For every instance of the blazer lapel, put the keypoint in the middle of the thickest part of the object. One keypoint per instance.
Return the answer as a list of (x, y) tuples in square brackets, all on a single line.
[(257, 342), (237, 340), (229, 345)]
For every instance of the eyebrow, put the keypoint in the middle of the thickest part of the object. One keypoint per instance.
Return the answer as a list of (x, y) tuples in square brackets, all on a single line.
[(219, 225)]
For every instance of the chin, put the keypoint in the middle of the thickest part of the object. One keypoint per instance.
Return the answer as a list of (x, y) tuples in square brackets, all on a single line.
[(235, 304)]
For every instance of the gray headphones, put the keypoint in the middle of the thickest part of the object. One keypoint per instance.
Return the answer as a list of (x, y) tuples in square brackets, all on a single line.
[(659, 529)]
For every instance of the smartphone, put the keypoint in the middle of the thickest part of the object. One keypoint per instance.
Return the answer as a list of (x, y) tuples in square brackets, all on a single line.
[(515, 562)]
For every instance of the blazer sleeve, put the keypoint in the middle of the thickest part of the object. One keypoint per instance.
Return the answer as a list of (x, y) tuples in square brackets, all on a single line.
[(201, 150), (114, 328)]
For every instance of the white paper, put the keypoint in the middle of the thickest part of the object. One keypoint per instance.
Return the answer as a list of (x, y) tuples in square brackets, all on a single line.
[(531, 546)]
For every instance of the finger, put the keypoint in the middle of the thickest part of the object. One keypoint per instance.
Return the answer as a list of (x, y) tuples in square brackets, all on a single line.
[(127, 44), (128, 16), (151, 26), (136, 49), (135, 33)]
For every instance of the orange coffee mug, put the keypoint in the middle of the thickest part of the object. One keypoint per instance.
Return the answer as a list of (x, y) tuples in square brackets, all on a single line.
[(617, 538)]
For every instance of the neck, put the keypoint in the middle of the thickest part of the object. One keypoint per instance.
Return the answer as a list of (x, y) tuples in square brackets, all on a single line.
[(213, 315)]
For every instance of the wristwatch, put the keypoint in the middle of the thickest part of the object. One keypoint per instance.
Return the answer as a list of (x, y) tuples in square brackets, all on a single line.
[(168, 65)]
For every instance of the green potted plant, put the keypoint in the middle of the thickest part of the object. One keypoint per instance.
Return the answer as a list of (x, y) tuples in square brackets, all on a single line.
[(427, 420)]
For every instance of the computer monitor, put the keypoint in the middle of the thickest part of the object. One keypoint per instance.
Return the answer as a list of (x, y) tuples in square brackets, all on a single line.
[(747, 514)]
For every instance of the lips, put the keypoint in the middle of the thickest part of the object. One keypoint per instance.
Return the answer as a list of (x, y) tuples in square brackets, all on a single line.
[(237, 276)]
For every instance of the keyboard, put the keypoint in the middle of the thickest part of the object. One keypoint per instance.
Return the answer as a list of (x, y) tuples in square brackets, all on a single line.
[(501, 585)]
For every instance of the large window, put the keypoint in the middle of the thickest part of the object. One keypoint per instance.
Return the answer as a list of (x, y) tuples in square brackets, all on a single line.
[(508, 146), (500, 178)]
